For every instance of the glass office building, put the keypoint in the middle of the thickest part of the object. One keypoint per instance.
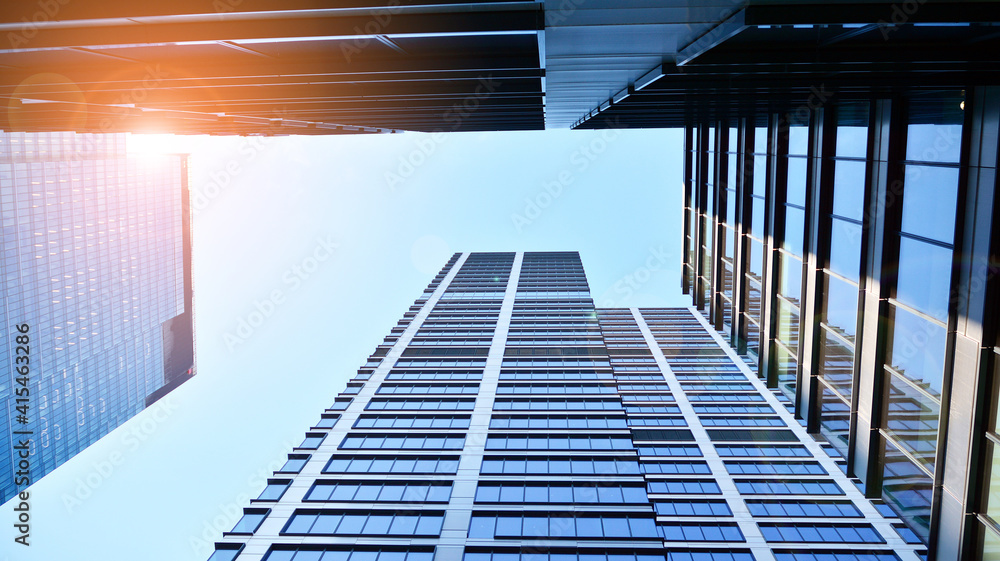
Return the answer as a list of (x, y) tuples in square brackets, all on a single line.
[(505, 418), (849, 251), (97, 266)]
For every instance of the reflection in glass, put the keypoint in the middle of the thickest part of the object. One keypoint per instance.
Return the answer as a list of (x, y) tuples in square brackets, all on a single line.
[(756, 259), (788, 324), (840, 306), (916, 350), (757, 218), (907, 489), (759, 175), (852, 141), (798, 140), (934, 142), (924, 278), (796, 193), (791, 277), (795, 224), (760, 140), (845, 248), (753, 337), (912, 419), (991, 546), (929, 198), (786, 371), (836, 364), (852, 129), (849, 189), (993, 497), (834, 419)]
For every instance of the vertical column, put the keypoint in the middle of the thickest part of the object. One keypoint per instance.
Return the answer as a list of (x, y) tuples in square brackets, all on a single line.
[(687, 277), (777, 169), (975, 321), (741, 256), (819, 201), (864, 459), (459, 515)]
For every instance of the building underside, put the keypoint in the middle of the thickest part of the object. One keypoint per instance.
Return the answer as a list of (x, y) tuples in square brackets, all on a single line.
[(356, 66)]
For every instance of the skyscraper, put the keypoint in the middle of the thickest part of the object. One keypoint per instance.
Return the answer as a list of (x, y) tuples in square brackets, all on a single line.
[(849, 249), (505, 418), (97, 294)]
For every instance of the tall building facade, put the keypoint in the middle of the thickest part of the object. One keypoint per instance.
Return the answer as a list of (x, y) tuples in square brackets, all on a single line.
[(504, 418), (849, 250), (97, 293)]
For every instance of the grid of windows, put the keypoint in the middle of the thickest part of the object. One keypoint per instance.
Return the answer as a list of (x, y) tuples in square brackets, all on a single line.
[(562, 526), (561, 459)]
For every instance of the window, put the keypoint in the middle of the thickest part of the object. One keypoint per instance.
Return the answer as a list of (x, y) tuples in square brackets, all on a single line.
[(403, 375), (753, 450), (327, 421), (694, 532), (536, 389), (542, 404), (778, 468), (706, 507), (636, 409), (382, 404), (557, 422), (274, 490), (685, 486), (742, 422), (466, 389), (751, 409), (694, 397), (226, 551), (392, 464), (295, 463), (368, 441), (803, 509), (251, 520), (557, 442), (675, 467), (477, 554), (835, 555), (543, 465), (312, 440), (665, 450), (364, 523), (576, 492), (412, 421), (342, 553), (380, 491), (657, 422), (787, 487), (565, 525), (821, 533), (709, 555)]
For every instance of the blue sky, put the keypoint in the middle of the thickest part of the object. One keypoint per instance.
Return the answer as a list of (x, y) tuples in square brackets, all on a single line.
[(307, 251)]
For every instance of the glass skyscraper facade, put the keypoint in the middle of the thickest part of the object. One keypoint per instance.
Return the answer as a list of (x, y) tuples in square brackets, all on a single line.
[(96, 271), (505, 418), (848, 250)]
